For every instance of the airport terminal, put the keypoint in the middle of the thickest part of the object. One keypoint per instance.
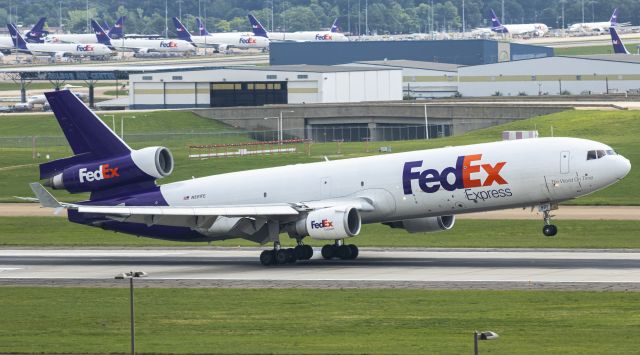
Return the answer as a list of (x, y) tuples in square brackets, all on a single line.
[(344, 177)]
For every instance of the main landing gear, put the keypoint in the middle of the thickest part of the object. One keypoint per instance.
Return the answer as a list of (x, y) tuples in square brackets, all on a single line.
[(549, 229), (279, 256), (340, 250)]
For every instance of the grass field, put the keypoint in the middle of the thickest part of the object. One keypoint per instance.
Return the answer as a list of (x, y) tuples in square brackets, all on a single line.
[(290, 321), (585, 50), (58, 232), (17, 167)]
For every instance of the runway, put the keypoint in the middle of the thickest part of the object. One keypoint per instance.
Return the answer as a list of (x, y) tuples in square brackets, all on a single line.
[(376, 267)]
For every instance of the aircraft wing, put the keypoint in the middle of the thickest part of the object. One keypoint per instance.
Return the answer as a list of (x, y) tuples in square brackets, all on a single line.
[(229, 211)]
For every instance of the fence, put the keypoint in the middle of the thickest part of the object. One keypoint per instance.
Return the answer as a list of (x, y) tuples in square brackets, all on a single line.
[(317, 134)]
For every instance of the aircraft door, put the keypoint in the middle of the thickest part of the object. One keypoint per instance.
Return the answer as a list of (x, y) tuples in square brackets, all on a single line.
[(564, 162)]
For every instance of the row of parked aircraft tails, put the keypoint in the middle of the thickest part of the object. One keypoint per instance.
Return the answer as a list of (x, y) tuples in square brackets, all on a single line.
[(106, 39)]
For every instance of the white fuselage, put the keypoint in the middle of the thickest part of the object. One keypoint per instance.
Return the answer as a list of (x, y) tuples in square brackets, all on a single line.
[(411, 185), (69, 49), (538, 29), (152, 45), (6, 43), (72, 38), (307, 36), (590, 26), (231, 40)]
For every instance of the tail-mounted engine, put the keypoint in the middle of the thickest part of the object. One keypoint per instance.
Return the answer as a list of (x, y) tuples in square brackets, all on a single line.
[(147, 164), (328, 223), (425, 224)]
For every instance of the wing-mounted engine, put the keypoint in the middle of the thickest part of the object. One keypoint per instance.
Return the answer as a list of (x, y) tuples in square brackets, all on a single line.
[(328, 223), (425, 224), (147, 164)]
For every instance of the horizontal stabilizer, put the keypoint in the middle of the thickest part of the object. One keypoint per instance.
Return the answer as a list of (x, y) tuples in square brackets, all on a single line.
[(45, 198)]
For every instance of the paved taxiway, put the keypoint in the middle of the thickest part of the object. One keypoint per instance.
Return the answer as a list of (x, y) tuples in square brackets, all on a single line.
[(393, 268)]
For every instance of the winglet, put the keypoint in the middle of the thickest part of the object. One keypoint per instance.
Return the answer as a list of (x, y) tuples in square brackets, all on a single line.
[(45, 198)]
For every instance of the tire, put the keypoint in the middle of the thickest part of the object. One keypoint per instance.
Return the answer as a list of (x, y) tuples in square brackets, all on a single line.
[(328, 251), (291, 255), (308, 252), (300, 252), (267, 258), (550, 230), (281, 257), (354, 251), (344, 252)]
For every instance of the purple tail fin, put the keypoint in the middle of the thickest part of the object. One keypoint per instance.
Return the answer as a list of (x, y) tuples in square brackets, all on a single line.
[(257, 27), (102, 37), (618, 46), (495, 21), (201, 28), (87, 135), (614, 18), (182, 31), (106, 26), (37, 33), (17, 39), (335, 27), (117, 31)]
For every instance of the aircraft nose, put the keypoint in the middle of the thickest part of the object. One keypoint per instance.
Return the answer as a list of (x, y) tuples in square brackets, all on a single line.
[(623, 167)]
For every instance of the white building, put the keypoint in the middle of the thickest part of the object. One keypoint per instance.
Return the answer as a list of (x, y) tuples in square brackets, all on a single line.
[(594, 74), (256, 86)]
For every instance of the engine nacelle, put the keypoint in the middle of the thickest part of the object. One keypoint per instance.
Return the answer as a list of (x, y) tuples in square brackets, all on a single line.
[(141, 165), (425, 224), (328, 223)]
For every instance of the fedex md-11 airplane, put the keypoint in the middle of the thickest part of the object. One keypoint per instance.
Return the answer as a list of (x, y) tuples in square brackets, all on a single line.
[(419, 191), (532, 29)]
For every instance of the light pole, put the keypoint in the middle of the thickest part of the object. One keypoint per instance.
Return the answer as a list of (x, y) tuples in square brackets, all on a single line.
[(281, 135), (113, 122), (130, 275), (122, 125), (426, 123), (486, 335), (277, 122)]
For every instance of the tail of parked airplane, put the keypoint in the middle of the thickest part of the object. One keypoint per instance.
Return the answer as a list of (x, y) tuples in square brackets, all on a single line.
[(102, 37), (106, 26), (335, 27), (201, 28), (257, 27), (102, 164), (618, 46), (182, 31), (17, 39), (117, 31), (614, 18), (495, 21), (37, 33)]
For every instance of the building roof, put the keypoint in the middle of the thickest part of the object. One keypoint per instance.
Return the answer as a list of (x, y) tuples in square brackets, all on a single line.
[(311, 68), (414, 64), (623, 58)]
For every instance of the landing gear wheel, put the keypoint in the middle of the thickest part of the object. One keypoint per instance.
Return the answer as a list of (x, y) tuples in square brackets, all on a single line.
[(301, 252), (354, 251), (550, 230), (291, 256), (328, 251), (267, 258), (308, 252), (282, 257), (344, 252)]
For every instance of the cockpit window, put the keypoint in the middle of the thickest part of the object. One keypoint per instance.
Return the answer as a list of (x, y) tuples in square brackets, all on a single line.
[(597, 154)]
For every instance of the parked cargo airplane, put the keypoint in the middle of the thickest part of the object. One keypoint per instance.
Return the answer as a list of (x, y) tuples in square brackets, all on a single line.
[(221, 41), (419, 191), (532, 29), (299, 36), (58, 50), (596, 26), (142, 45), (34, 35), (114, 32)]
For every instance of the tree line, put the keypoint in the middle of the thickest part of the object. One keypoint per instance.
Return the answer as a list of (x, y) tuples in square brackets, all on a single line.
[(380, 17)]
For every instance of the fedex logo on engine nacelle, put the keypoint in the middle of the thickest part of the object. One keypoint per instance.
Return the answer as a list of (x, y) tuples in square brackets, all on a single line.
[(464, 173), (325, 223), (103, 172)]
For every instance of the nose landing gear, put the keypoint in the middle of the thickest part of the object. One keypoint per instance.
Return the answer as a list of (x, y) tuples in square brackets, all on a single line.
[(549, 230)]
